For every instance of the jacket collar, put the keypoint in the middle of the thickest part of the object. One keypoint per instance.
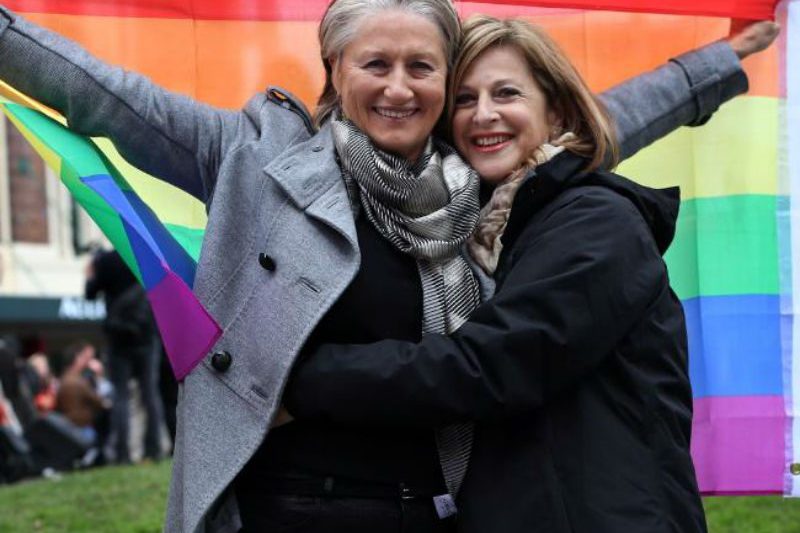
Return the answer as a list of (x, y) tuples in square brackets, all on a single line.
[(310, 176), (658, 207)]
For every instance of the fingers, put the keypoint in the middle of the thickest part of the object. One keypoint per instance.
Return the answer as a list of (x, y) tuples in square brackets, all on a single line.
[(281, 418), (749, 37)]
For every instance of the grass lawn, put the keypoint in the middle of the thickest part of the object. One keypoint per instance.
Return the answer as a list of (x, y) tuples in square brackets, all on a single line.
[(131, 500)]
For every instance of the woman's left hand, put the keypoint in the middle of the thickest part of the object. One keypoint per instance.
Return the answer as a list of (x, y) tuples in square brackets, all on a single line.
[(282, 418), (749, 37)]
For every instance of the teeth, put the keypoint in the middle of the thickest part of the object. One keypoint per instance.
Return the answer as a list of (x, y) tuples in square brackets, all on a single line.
[(394, 114), (488, 141)]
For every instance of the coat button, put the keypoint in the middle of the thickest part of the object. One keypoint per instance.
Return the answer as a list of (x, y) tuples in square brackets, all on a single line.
[(266, 262), (221, 361), (317, 148)]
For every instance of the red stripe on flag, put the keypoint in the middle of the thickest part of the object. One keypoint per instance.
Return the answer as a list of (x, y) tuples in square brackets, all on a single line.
[(313, 9), (746, 9), (179, 9)]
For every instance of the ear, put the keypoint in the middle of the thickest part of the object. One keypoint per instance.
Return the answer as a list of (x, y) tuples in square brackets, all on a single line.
[(335, 72), (555, 123)]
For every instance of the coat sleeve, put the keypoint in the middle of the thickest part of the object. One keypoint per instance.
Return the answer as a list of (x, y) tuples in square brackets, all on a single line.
[(574, 290), (165, 134), (685, 91)]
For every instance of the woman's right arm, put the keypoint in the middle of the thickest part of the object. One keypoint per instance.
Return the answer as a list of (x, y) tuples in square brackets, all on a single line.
[(687, 90), (167, 135)]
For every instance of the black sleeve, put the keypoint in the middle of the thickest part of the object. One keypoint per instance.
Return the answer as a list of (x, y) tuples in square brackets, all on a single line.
[(95, 284), (575, 288)]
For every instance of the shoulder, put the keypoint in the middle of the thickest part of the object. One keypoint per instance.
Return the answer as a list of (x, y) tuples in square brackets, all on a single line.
[(584, 217), (592, 204), (280, 114)]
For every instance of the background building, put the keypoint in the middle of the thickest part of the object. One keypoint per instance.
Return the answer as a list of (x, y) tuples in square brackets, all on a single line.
[(45, 244)]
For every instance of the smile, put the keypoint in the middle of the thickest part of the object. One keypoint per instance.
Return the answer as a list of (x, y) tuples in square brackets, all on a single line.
[(491, 143), (394, 113)]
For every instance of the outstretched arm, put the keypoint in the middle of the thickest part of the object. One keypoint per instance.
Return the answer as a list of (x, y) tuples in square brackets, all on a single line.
[(685, 91), (166, 134), (573, 292)]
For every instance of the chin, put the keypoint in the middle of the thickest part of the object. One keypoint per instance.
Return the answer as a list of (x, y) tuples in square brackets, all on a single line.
[(491, 175), (402, 148)]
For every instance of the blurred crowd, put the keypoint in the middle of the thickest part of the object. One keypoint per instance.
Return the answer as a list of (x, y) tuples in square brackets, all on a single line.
[(72, 409)]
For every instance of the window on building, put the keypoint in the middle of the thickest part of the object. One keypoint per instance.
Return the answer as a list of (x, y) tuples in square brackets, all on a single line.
[(27, 190)]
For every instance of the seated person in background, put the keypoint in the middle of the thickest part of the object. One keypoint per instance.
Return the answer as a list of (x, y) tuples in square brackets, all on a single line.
[(43, 383), (83, 393)]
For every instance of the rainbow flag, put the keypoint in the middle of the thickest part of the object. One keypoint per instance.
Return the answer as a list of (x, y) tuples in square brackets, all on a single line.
[(738, 235), (161, 253)]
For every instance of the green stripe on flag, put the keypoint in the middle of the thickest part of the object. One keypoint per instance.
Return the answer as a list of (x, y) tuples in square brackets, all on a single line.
[(726, 245), (106, 218), (190, 239), (79, 151)]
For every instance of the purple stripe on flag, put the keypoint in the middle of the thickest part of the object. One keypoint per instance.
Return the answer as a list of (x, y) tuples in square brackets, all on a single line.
[(187, 330), (738, 444)]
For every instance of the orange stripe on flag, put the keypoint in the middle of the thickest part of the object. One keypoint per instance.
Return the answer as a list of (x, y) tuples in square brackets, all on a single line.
[(233, 60)]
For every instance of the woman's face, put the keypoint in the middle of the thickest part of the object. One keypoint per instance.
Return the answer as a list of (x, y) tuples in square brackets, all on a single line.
[(501, 115), (391, 79)]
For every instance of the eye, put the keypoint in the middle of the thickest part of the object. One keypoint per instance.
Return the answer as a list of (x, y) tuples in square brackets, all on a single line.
[(507, 92), (376, 64), (464, 99), (422, 66)]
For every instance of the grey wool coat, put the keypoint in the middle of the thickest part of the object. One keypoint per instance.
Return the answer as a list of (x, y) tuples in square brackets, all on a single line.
[(272, 186)]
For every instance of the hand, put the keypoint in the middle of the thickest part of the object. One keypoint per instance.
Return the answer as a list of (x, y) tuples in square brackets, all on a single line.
[(96, 366), (749, 37), (282, 418)]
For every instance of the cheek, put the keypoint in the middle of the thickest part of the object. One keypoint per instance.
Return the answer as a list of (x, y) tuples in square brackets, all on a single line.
[(356, 95), (535, 133), (434, 93)]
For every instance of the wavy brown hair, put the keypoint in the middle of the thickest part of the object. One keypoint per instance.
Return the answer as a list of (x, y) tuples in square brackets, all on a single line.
[(566, 92)]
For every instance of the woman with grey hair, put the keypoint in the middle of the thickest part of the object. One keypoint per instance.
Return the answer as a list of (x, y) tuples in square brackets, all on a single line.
[(349, 230)]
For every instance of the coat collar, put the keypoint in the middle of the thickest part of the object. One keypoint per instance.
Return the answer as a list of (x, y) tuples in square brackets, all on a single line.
[(309, 174), (658, 207)]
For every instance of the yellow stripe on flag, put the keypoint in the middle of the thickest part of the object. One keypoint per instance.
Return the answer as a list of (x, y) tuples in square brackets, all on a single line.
[(735, 153)]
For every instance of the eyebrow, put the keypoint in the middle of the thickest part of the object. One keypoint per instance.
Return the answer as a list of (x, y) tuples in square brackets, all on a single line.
[(496, 83), (428, 56)]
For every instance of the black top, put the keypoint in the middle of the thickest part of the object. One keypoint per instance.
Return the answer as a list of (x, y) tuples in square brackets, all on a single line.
[(384, 301), (111, 277)]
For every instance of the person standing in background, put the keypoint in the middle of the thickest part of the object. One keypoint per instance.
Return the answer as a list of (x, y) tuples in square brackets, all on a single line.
[(132, 344)]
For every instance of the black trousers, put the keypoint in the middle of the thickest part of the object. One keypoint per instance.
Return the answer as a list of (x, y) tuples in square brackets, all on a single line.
[(289, 513), (142, 364)]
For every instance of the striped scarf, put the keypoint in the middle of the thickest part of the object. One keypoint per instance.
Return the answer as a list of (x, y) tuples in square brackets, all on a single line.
[(426, 209)]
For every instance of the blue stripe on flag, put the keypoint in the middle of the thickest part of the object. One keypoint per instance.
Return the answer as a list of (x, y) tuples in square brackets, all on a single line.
[(177, 258), (734, 345)]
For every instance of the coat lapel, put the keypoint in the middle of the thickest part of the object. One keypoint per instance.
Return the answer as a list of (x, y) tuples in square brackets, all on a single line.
[(310, 176)]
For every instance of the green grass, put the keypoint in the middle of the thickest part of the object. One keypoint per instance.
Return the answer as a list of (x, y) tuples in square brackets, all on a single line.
[(761, 514), (131, 500)]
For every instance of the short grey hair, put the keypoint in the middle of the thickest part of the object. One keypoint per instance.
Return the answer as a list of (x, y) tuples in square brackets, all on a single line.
[(340, 24)]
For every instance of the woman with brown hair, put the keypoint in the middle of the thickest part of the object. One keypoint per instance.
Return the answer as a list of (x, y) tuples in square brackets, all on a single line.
[(345, 229), (575, 373)]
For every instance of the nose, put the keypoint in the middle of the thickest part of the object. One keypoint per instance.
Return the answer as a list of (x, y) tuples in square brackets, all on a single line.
[(397, 88), (485, 111)]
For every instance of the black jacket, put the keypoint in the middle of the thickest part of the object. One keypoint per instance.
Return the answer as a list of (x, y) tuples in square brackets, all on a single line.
[(576, 371), (129, 322)]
